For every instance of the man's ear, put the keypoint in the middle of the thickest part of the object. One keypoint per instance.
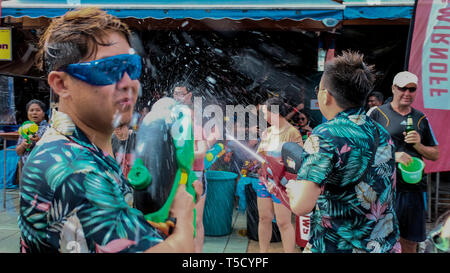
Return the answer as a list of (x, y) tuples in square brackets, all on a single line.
[(328, 99), (59, 81)]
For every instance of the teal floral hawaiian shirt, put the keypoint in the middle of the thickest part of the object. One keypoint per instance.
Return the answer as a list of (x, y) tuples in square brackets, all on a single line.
[(75, 198), (355, 211)]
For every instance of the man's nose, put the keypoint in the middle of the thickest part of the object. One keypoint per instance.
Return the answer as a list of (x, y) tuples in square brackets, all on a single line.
[(125, 82)]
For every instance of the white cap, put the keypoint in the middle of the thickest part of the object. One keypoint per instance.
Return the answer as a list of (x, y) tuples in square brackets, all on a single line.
[(405, 77)]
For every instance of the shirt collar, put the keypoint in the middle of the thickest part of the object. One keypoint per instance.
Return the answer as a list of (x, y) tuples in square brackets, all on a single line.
[(64, 125), (43, 123), (350, 111)]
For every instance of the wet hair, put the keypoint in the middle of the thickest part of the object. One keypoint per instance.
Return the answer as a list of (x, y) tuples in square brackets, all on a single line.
[(38, 102), (76, 36), (282, 108), (348, 79), (181, 84), (377, 95)]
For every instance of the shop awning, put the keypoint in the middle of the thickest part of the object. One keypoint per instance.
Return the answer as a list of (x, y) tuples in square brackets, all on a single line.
[(378, 9), (179, 9)]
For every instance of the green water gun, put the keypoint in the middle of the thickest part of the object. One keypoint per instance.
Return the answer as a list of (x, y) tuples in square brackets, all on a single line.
[(164, 158), (27, 130)]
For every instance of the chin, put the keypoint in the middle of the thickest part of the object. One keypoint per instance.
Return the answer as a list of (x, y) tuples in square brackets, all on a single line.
[(406, 104)]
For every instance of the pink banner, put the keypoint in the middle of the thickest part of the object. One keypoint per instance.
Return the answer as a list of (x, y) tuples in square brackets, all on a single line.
[(429, 60)]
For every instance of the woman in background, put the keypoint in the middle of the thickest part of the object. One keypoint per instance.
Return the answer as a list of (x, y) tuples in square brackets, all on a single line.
[(272, 140), (35, 113)]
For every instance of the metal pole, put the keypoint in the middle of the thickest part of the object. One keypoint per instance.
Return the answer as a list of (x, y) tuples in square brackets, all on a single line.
[(4, 174), (410, 36), (429, 196), (437, 195)]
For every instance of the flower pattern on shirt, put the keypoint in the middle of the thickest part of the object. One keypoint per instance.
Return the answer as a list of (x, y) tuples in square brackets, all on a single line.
[(355, 211), (74, 198)]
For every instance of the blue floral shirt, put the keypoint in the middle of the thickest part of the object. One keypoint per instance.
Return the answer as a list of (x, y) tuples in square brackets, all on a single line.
[(75, 198), (355, 211)]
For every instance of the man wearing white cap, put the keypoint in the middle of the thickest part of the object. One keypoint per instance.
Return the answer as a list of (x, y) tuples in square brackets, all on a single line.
[(421, 143)]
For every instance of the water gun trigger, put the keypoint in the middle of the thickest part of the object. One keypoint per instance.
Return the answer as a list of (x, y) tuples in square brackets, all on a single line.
[(166, 227), (183, 178)]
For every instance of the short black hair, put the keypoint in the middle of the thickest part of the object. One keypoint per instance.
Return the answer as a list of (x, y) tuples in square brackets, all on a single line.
[(181, 84), (282, 108), (377, 95), (348, 79), (38, 102)]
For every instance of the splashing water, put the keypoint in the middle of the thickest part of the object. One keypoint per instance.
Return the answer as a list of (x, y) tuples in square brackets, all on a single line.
[(116, 120), (247, 149)]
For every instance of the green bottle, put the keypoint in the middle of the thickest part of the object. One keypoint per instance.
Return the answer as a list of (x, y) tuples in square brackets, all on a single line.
[(409, 124)]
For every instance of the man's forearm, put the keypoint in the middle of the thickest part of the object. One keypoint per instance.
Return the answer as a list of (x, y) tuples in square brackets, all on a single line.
[(429, 152), (303, 196)]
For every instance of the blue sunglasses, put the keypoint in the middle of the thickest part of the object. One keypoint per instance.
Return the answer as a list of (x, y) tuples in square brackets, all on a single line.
[(106, 71)]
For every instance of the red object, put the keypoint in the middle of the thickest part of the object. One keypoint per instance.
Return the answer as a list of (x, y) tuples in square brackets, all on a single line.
[(302, 229), (430, 36), (273, 171)]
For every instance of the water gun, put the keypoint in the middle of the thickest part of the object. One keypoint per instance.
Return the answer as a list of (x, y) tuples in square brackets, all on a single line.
[(28, 129), (280, 169), (213, 154), (164, 158)]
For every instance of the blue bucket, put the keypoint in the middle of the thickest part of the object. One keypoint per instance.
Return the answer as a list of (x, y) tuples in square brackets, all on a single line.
[(218, 213)]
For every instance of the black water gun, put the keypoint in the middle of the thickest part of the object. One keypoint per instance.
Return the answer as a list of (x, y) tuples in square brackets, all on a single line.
[(164, 157)]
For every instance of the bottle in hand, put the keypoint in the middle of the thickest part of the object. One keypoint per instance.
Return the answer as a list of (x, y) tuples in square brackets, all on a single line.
[(409, 124)]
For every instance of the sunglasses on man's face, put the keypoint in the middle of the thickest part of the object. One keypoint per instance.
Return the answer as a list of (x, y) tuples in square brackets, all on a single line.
[(179, 94), (403, 89), (106, 71)]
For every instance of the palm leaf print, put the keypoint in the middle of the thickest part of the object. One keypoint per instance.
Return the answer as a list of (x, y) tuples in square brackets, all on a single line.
[(358, 119), (72, 238), (105, 195), (384, 170), (340, 206), (322, 160), (352, 132), (65, 167), (366, 195), (356, 164), (383, 228), (383, 155), (352, 233)]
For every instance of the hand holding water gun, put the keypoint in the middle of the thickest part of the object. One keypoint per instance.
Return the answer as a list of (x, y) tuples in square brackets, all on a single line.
[(28, 131), (277, 171), (164, 158)]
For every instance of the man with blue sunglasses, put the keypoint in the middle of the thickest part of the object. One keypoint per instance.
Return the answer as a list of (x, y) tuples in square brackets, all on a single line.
[(74, 197)]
